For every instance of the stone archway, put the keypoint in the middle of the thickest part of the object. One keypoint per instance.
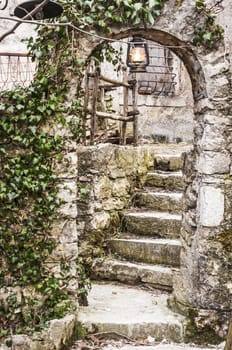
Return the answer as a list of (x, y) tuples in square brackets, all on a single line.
[(181, 49), (202, 289)]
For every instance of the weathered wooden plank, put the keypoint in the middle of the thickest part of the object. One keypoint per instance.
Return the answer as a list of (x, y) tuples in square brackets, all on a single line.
[(135, 108), (113, 116), (94, 107), (109, 80), (125, 109)]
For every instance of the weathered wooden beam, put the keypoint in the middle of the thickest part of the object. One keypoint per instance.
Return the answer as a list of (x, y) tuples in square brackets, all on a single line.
[(135, 108), (125, 109), (135, 112), (112, 81), (113, 116), (94, 107)]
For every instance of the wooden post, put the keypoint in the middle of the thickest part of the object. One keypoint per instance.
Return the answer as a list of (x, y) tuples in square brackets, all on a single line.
[(135, 108), (125, 108), (94, 106), (229, 337), (103, 109), (86, 102)]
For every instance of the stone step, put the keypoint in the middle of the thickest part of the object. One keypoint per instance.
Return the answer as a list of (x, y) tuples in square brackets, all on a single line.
[(147, 250), (166, 179), (168, 162), (132, 312), (152, 223), (159, 200), (157, 276)]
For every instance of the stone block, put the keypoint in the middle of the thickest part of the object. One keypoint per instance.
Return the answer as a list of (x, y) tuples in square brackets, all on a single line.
[(211, 206), (115, 203), (64, 251), (68, 194), (214, 162), (155, 275), (120, 187), (156, 251), (61, 331), (151, 223), (68, 210), (68, 190), (65, 231), (67, 166), (213, 139), (102, 187), (100, 221)]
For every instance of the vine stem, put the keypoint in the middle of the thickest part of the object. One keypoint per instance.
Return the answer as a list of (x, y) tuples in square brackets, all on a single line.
[(69, 24)]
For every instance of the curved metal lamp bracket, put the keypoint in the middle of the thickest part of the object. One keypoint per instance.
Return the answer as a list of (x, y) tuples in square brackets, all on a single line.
[(3, 4)]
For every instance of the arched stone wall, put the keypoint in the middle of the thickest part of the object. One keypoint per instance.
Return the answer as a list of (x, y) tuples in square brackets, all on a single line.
[(203, 287)]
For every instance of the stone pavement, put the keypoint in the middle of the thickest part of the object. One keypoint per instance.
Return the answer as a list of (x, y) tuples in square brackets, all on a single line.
[(130, 311), (134, 312)]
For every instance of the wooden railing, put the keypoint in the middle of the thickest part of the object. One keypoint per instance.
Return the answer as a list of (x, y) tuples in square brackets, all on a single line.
[(16, 69), (95, 111)]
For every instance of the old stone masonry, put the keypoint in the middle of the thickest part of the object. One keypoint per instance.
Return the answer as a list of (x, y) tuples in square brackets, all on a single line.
[(149, 223)]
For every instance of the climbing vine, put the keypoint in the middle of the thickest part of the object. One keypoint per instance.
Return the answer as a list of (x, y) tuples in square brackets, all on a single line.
[(101, 15), (207, 34), (28, 150), (28, 192)]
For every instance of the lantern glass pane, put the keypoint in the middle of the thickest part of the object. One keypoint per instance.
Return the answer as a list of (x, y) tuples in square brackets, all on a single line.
[(137, 55)]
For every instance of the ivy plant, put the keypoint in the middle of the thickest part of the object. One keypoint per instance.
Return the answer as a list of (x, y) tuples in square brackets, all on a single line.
[(28, 151), (207, 34)]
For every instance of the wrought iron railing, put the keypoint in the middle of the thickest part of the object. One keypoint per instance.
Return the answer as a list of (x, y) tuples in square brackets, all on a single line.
[(160, 79), (16, 69)]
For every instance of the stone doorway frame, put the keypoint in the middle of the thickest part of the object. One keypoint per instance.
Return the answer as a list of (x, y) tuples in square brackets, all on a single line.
[(202, 289)]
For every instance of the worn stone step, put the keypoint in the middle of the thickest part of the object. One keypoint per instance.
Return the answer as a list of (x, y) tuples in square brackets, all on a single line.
[(147, 250), (168, 162), (166, 179), (132, 312), (159, 200), (157, 276), (152, 223)]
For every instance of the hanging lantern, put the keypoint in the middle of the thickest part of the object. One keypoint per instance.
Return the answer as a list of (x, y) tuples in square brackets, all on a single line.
[(137, 55), (50, 10)]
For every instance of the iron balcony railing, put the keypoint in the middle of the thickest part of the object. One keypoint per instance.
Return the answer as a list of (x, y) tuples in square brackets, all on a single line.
[(16, 69)]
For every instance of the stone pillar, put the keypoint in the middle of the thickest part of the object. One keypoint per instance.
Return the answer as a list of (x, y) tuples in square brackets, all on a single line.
[(203, 288), (63, 260)]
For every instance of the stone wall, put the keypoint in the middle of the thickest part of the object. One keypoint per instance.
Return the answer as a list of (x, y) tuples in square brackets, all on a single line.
[(58, 335), (106, 180), (107, 176)]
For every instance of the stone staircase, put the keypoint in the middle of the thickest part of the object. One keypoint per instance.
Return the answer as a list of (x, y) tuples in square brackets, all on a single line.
[(148, 248), (144, 255)]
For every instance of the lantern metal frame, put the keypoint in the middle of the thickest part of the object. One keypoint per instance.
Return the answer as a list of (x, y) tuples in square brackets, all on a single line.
[(137, 46)]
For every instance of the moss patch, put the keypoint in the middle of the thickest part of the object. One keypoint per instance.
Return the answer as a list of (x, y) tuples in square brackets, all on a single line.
[(200, 335), (225, 239)]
